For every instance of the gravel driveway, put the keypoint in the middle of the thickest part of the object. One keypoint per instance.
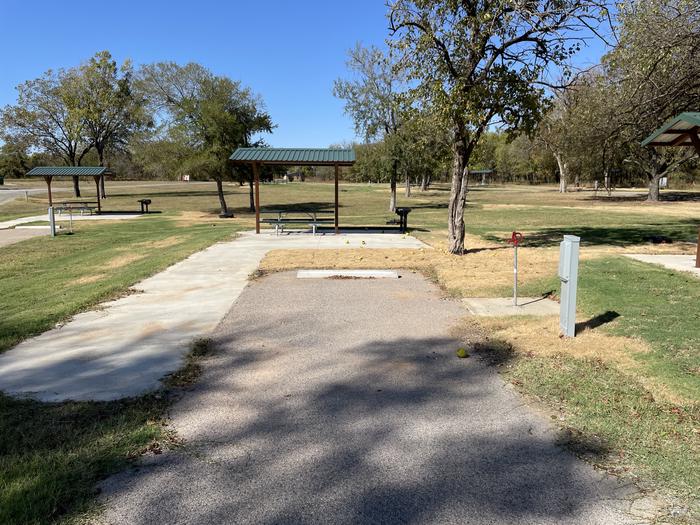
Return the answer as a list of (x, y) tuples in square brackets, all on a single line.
[(341, 401)]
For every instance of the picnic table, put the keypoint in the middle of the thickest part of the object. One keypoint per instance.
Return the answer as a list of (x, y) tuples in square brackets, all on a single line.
[(82, 206), (281, 218)]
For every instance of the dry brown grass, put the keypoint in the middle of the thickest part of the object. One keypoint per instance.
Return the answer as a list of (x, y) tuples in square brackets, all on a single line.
[(123, 260), (539, 337), (484, 271), (87, 279), (163, 243)]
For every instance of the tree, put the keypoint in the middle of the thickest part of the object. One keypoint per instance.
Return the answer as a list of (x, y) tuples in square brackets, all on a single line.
[(212, 115), (48, 117), (14, 162), (374, 101), (109, 107), (652, 75), (480, 62)]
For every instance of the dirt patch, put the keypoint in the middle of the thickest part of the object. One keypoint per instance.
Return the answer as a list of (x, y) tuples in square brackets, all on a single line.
[(87, 279), (189, 218), (123, 260), (163, 243)]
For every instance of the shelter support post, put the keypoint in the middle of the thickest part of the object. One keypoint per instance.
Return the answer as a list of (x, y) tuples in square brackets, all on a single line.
[(256, 177), (48, 187), (696, 142), (97, 185), (336, 199)]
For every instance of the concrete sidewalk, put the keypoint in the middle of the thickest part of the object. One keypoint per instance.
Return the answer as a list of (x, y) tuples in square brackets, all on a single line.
[(126, 346), (680, 263), (65, 218)]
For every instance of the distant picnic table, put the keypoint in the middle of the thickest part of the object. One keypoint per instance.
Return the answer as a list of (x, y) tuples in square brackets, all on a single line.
[(282, 217), (82, 206)]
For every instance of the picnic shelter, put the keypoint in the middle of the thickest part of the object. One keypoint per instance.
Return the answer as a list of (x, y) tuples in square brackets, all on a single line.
[(257, 157), (683, 130), (49, 172)]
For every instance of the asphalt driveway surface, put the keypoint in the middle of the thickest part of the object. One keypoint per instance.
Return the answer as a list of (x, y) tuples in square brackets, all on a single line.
[(341, 401)]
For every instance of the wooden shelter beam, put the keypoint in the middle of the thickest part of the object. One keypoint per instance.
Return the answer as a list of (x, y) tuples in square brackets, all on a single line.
[(695, 139), (48, 186), (337, 168), (96, 178), (256, 178)]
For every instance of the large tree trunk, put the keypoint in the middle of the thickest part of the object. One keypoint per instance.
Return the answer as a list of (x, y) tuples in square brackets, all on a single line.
[(408, 185), (251, 194), (458, 193), (76, 186), (392, 187), (222, 200), (654, 192), (424, 182), (100, 155), (563, 173)]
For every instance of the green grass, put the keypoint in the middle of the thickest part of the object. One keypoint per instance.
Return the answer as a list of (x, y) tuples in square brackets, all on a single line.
[(43, 279), (657, 305), (615, 422), (53, 455)]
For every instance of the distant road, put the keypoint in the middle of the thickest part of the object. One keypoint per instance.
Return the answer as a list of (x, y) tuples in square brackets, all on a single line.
[(10, 195)]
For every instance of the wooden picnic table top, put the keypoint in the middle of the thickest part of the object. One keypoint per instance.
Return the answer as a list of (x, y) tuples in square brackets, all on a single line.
[(65, 203)]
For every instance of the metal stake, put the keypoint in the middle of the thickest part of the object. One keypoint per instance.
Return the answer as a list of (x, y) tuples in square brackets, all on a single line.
[(515, 276)]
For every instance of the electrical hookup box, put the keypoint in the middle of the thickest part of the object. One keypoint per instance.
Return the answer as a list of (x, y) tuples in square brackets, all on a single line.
[(568, 277)]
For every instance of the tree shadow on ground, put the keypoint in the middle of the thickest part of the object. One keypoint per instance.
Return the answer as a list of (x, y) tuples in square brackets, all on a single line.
[(314, 426), (296, 207), (654, 233), (666, 196), (162, 193)]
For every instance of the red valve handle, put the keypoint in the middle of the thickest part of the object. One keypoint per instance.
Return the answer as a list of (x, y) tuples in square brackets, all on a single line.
[(515, 238)]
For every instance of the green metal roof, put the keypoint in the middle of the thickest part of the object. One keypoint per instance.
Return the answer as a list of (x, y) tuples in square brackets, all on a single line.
[(295, 156), (676, 132), (68, 171)]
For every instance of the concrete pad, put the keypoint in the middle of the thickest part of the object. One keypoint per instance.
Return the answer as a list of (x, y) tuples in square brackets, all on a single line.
[(503, 306), (66, 218), (8, 237), (125, 347), (681, 263), (352, 274)]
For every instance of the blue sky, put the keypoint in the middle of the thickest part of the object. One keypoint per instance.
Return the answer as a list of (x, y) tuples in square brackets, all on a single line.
[(287, 51)]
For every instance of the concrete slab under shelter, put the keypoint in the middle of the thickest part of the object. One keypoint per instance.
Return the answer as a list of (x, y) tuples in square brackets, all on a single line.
[(503, 306)]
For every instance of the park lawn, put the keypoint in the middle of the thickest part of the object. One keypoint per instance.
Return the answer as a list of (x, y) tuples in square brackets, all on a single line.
[(45, 281), (52, 455), (46, 477)]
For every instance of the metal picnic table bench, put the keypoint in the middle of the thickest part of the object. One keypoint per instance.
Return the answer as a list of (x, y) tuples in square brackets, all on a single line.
[(281, 218), (71, 206)]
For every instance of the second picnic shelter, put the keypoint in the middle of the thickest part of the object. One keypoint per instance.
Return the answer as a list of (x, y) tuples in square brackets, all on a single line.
[(257, 157)]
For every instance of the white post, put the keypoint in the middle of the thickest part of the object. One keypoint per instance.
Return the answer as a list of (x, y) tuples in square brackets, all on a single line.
[(568, 276), (52, 221)]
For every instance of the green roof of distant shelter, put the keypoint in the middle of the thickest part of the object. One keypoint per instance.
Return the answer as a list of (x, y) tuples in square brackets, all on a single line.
[(295, 156), (676, 132)]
